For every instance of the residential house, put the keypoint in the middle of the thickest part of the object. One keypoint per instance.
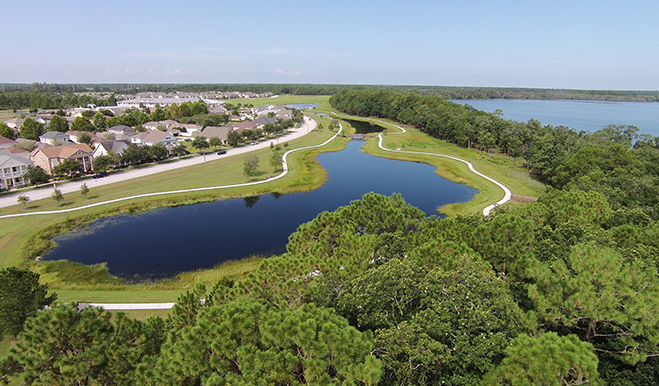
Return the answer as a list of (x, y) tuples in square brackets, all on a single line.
[(55, 138), (154, 136), (244, 125), (14, 123), (166, 124), (188, 129), (219, 109), (104, 148), (122, 130), (74, 136), (214, 131), (12, 171), (6, 142), (49, 157), (262, 121)]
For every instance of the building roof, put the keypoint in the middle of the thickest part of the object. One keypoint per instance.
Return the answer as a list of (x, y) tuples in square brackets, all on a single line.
[(6, 142), (214, 131), (63, 151)]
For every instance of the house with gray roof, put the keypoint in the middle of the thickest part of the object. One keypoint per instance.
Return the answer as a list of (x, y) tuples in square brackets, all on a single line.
[(122, 130), (214, 131), (107, 147), (152, 137), (12, 171), (55, 138)]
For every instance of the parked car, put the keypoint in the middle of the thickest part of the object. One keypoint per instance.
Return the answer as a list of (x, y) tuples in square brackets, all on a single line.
[(221, 152), (100, 174)]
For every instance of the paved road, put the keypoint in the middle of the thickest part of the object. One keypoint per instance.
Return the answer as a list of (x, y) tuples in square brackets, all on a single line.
[(45, 192)]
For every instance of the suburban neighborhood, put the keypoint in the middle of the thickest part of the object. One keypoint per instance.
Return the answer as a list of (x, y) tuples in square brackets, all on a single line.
[(148, 127)]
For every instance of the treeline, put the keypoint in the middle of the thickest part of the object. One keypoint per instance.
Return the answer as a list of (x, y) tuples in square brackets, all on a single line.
[(37, 100), (330, 89), (616, 161), (532, 93), (561, 291)]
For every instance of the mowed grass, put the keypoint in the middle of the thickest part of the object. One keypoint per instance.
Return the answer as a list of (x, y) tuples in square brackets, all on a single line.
[(507, 170), (304, 174), (322, 100)]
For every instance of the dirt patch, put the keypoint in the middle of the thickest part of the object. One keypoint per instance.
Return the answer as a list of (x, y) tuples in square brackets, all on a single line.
[(523, 199)]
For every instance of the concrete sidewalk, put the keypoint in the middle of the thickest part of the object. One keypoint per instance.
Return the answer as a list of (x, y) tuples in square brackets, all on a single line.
[(45, 192)]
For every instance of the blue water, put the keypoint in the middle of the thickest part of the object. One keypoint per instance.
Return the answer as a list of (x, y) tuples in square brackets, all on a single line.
[(167, 241), (580, 115), (301, 106)]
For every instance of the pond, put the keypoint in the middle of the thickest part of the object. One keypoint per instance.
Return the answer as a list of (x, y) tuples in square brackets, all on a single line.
[(362, 127), (300, 106), (164, 242)]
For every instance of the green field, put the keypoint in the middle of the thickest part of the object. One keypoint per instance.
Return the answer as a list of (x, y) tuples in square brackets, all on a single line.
[(18, 234), (507, 170)]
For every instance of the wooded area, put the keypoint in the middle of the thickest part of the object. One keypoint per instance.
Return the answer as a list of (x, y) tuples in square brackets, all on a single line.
[(561, 291)]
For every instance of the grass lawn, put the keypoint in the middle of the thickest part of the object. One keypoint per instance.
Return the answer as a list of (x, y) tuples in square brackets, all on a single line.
[(507, 170), (304, 174), (322, 100)]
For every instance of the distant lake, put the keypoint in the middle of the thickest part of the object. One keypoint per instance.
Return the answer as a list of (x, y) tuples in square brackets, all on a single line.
[(579, 115), (164, 242), (300, 106)]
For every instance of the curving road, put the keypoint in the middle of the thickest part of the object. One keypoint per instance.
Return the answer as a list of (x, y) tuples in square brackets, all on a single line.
[(308, 126)]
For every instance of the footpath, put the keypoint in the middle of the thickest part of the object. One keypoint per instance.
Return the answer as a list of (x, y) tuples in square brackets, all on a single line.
[(45, 192)]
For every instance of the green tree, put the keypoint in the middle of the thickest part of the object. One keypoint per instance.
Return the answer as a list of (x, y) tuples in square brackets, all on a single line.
[(245, 342), (549, 360), (68, 167), (85, 138), (250, 166), (82, 124), (158, 114), (234, 138), (605, 300), (36, 175), (57, 196), (6, 132), (200, 143), (276, 160), (84, 190), (180, 150), (31, 129), (104, 162), (158, 152), (58, 123), (215, 142), (64, 346), (99, 121), (21, 296), (23, 199)]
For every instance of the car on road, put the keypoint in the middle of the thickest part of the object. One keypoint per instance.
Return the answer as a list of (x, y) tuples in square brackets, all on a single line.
[(221, 152), (254, 143), (101, 174)]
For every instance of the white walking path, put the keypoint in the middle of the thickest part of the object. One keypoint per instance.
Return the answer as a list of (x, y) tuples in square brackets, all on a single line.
[(486, 210), (167, 306), (308, 126)]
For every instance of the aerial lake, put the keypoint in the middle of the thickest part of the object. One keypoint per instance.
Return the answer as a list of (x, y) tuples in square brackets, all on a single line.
[(164, 242), (579, 115)]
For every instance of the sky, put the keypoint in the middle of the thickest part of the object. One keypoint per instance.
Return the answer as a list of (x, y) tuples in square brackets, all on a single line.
[(576, 44)]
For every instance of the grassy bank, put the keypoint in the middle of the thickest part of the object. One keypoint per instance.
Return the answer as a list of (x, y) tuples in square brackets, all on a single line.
[(19, 236), (507, 170)]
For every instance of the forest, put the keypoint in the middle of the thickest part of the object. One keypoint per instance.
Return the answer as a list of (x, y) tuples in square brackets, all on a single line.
[(56, 96), (561, 291)]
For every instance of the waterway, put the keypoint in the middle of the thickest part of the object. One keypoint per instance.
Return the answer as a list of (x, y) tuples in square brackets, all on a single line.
[(164, 242), (580, 115)]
